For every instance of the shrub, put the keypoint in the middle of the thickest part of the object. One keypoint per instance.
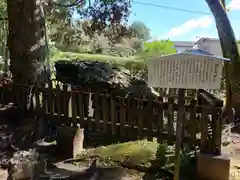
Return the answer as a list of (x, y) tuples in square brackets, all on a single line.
[(136, 65)]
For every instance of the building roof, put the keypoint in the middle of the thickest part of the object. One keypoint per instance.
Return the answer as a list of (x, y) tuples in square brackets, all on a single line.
[(206, 38), (184, 43), (198, 52), (192, 53)]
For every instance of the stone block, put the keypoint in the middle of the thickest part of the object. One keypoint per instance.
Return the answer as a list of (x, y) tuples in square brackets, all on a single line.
[(3, 174), (213, 167)]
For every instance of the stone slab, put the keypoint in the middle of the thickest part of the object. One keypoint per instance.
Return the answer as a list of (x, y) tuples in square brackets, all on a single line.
[(3, 174), (213, 167)]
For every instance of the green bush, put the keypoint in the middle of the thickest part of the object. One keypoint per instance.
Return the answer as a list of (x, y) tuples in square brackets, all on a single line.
[(136, 65), (165, 156)]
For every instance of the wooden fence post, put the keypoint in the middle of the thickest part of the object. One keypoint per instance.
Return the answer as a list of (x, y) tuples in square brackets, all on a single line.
[(97, 111), (38, 104), (113, 115), (50, 99), (216, 132), (181, 112), (44, 101), (170, 112), (59, 101), (193, 123), (204, 130), (66, 101), (130, 120), (140, 118), (105, 113), (81, 107), (74, 108), (160, 121), (150, 119), (122, 118)]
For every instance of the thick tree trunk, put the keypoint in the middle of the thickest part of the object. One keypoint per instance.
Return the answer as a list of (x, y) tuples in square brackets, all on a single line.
[(230, 50), (26, 42)]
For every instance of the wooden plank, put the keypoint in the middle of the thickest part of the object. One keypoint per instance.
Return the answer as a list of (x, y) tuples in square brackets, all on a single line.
[(140, 119), (193, 123), (179, 134), (170, 112), (163, 133), (22, 99), (38, 104), (150, 119), (113, 116), (44, 103), (89, 118), (160, 122), (122, 118), (216, 133), (105, 114), (80, 107), (65, 101), (59, 101), (130, 119), (50, 98), (74, 108), (175, 106), (97, 107), (204, 132)]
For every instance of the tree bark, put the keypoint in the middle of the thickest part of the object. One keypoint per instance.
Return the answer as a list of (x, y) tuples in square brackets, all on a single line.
[(230, 50), (26, 43)]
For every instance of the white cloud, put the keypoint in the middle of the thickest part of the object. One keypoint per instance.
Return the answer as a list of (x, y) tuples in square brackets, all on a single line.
[(234, 5), (188, 26)]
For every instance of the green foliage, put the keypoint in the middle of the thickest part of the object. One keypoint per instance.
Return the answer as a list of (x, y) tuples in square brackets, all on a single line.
[(140, 30), (165, 156), (135, 64), (157, 48), (100, 28), (94, 18), (161, 155)]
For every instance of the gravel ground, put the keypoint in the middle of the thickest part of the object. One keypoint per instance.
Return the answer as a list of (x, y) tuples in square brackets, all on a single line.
[(231, 146)]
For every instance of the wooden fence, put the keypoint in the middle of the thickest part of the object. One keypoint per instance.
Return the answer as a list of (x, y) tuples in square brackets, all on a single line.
[(128, 117)]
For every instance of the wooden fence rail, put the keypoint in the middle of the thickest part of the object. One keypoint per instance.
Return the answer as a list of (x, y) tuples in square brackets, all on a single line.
[(128, 117)]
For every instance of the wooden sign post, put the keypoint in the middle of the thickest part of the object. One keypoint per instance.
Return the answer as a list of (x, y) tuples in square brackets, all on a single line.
[(193, 69)]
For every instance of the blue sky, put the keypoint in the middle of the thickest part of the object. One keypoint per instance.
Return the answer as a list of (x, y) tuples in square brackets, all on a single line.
[(178, 25)]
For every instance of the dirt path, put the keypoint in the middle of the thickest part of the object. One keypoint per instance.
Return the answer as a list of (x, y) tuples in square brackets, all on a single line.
[(231, 146)]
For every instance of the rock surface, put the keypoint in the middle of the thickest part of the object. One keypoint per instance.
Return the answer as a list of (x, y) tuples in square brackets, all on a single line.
[(3, 174), (102, 76), (24, 164)]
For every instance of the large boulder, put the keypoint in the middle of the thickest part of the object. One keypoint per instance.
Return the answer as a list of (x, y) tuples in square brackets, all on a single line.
[(100, 75)]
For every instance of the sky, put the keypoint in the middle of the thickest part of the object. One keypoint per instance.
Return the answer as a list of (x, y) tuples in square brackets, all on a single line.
[(178, 25)]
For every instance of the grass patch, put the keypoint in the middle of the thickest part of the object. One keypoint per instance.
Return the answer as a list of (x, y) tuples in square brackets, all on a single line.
[(90, 57), (135, 152), (132, 63)]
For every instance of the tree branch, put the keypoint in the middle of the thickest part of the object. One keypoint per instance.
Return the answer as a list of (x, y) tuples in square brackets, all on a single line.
[(75, 3)]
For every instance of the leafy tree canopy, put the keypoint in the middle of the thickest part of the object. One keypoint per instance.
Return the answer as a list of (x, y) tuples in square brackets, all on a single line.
[(157, 48), (140, 30), (108, 17)]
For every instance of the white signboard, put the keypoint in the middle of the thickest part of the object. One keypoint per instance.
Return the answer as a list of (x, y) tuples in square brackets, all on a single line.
[(185, 71)]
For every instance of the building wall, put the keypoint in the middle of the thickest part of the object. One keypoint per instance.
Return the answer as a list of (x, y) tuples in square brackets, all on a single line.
[(211, 46), (181, 49)]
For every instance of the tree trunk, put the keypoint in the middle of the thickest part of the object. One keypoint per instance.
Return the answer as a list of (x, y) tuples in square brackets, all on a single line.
[(26, 43), (230, 50)]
